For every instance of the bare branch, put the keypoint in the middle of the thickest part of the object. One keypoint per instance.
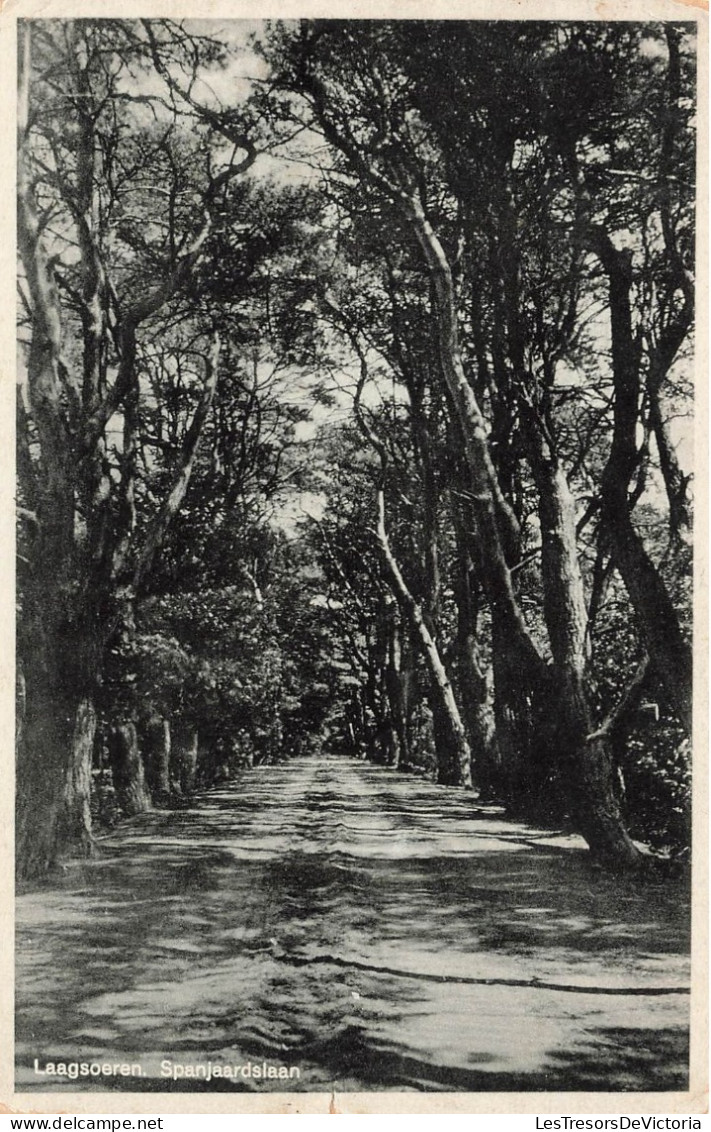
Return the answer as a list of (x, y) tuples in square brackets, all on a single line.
[(171, 504)]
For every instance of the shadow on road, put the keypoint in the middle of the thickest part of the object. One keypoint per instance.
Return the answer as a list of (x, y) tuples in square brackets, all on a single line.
[(376, 932)]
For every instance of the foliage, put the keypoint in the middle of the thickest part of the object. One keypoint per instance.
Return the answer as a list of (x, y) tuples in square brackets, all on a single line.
[(462, 334)]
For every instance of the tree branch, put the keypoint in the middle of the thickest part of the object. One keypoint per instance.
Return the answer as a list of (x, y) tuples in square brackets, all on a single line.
[(157, 530), (627, 701)]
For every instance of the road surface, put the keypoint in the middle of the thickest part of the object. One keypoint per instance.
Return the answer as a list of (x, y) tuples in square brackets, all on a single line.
[(358, 929)]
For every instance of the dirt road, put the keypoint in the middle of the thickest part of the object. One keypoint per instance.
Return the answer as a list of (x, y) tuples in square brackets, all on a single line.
[(363, 929)]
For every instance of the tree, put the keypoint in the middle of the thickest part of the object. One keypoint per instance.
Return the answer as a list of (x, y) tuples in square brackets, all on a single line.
[(104, 261), (459, 178), (492, 277)]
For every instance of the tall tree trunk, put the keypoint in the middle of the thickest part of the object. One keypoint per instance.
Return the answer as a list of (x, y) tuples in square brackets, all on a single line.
[(406, 693), (452, 747), (82, 542), (520, 673), (519, 708), (593, 804), (473, 685), (583, 767), (450, 739), (127, 767), (53, 773), (59, 656), (184, 755), (156, 746), (55, 634), (75, 812), (453, 753), (668, 650), (570, 766), (385, 751), (371, 707), (591, 779), (396, 691)]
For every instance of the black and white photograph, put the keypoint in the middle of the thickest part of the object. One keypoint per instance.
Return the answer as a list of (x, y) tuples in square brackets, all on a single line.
[(357, 583)]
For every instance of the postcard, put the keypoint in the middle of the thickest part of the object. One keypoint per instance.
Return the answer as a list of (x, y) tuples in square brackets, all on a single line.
[(355, 684)]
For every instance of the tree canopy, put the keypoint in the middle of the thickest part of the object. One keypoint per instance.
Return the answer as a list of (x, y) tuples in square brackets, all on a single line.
[(351, 414)]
